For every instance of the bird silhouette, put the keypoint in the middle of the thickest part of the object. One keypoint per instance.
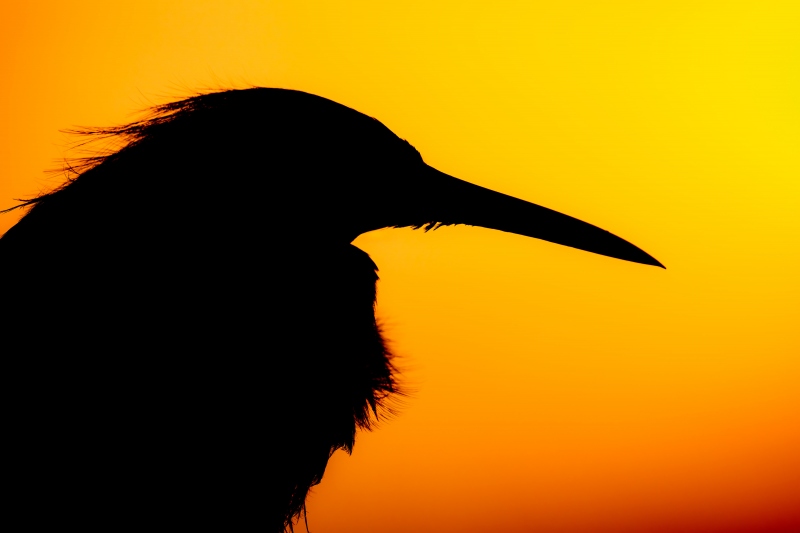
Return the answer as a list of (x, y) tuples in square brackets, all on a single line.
[(193, 333)]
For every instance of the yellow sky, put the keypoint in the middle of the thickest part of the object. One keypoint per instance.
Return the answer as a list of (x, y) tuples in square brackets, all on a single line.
[(554, 390)]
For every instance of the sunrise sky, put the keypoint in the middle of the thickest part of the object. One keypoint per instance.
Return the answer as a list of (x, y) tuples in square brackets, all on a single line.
[(552, 390)]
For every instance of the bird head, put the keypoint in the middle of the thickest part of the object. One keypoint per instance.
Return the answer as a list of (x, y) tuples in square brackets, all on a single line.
[(341, 173)]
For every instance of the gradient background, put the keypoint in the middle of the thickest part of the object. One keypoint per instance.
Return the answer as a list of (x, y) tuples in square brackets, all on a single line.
[(554, 390)]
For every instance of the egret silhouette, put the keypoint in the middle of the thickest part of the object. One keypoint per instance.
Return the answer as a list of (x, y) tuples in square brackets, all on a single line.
[(193, 333)]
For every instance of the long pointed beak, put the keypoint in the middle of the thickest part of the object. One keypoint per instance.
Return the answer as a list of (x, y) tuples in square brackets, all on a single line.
[(445, 200)]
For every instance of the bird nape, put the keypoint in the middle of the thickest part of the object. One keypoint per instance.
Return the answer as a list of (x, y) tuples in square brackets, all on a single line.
[(193, 333)]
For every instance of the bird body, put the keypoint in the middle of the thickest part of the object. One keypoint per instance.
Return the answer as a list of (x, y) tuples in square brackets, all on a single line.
[(193, 331)]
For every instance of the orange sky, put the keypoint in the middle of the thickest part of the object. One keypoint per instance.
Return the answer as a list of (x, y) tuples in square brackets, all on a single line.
[(554, 390)]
